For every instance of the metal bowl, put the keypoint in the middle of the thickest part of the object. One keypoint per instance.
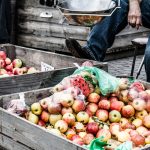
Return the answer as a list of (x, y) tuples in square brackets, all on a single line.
[(86, 12)]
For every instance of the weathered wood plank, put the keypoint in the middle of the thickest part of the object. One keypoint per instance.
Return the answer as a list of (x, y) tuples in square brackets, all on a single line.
[(53, 30), (33, 136)]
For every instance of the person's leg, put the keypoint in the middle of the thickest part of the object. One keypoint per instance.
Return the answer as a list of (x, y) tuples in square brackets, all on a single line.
[(145, 9), (102, 35)]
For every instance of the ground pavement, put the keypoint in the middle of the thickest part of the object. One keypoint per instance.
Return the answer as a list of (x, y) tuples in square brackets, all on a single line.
[(123, 66)]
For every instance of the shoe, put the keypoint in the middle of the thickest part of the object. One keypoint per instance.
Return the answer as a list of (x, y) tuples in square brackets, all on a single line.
[(76, 50)]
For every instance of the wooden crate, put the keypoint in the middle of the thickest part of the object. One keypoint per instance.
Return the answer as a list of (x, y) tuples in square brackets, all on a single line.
[(19, 134), (63, 67)]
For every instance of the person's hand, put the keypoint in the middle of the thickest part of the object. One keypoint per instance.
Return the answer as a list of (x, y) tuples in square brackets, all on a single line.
[(134, 16)]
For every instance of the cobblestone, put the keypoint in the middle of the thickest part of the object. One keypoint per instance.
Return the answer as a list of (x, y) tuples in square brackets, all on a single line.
[(123, 67)]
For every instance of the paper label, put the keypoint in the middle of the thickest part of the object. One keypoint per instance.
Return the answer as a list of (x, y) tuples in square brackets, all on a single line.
[(46, 67)]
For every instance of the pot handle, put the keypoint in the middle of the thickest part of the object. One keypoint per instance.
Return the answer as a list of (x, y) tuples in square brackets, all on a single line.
[(46, 15)]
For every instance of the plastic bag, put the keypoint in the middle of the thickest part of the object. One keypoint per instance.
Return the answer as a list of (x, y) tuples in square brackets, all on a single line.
[(125, 146), (107, 83)]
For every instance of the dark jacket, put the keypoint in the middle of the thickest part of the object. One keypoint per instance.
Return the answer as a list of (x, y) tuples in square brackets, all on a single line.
[(5, 21)]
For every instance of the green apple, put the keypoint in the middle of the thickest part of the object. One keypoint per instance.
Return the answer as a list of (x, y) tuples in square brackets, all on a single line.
[(114, 116), (36, 108)]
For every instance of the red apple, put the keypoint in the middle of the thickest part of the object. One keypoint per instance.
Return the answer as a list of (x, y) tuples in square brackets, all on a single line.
[(8, 61), (104, 104), (61, 125), (123, 96), (67, 100), (146, 135), (82, 117), (116, 105), (103, 98), (137, 122), (123, 136), (41, 123), (133, 133), (92, 107), (102, 115), (89, 112), (53, 118), (137, 86), (33, 118), (93, 98), (69, 118), (141, 114), (129, 126), (54, 108), (133, 94), (66, 110), (143, 95), (36, 108), (78, 106), (92, 128), (114, 116), (17, 71), (24, 69), (17, 63), (78, 127), (115, 128), (138, 140), (44, 103), (2, 64), (2, 55), (146, 121), (105, 133), (148, 106), (128, 111), (113, 98), (139, 104), (9, 67), (70, 133), (123, 122), (141, 130), (87, 139), (77, 139), (45, 116)]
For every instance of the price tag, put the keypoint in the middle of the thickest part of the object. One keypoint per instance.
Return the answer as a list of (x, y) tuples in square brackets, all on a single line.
[(46, 67)]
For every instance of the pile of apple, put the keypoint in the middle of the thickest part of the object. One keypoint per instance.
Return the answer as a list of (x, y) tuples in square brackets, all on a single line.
[(121, 116), (10, 67)]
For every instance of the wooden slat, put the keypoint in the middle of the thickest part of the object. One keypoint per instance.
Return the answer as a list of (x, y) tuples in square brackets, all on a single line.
[(43, 29)]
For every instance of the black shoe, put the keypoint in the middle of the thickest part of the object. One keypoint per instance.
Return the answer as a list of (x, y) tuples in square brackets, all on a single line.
[(76, 50)]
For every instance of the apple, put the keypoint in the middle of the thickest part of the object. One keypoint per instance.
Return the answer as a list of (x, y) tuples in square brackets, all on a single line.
[(66, 110), (69, 118), (7, 61), (137, 122), (2, 55), (93, 98), (143, 95), (87, 139), (139, 104), (77, 140), (24, 69), (128, 111), (9, 67), (146, 121), (123, 83), (141, 114), (31, 70), (61, 125), (138, 140), (133, 94), (114, 116), (89, 112), (17, 63), (70, 133), (91, 120), (33, 118), (92, 128), (133, 133), (54, 108), (104, 133), (45, 116), (102, 115), (141, 130), (148, 106), (113, 98), (82, 117), (78, 106), (55, 131), (58, 88), (104, 126), (53, 118), (146, 135), (115, 128), (123, 136), (44, 103), (92, 107), (3, 71), (97, 90), (17, 71), (2, 64), (123, 96), (103, 98), (78, 127), (129, 126), (82, 134), (41, 123), (104, 104), (116, 105), (123, 122), (67, 100), (36, 108)]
